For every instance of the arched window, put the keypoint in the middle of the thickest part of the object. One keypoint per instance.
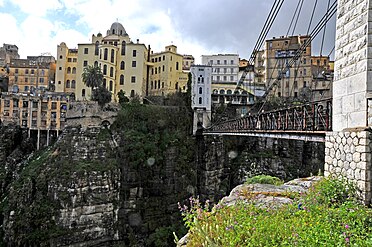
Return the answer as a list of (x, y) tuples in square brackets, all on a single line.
[(222, 91), (200, 100), (96, 50), (68, 84), (68, 70), (176, 86), (158, 84), (122, 65), (215, 91), (104, 82), (132, 93), (159, 69), (111, 86), (95, 64), (123, 44), (121, 79), (156, 70), (163, 68), (83, 93), (73, 70), (105, 69), (200, 90), (100, 53), (112, 55), (152, 85), (177, 66), (229, 92), (162, 84), (105, 54), (111, 71), (73, 84)]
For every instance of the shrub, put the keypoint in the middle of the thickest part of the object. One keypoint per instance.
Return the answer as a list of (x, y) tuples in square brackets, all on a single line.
[(264, 179)]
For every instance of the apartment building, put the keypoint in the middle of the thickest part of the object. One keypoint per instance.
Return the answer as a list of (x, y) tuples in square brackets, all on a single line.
[(188, 61), (44, 116), (124, 64), (278, 54), (32, 75), (322, 69), (167, 75)]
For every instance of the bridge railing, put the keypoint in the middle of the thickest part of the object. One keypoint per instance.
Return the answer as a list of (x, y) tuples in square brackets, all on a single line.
[(315, 116)]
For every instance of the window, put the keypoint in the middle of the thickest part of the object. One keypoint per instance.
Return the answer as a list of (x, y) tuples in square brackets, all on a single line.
[(73, 70), (60, 68), (122, 65), (295, 94), (158, 84), (304, 61), (68, 84), (105, 54), (112, 55), (231, 70), (305, 84), (96, 49), (73, 84), (134, 53), (26, 88), (177, 65), (83, 93), (232, 62), (200, 100), (224, 78), (163, 68), (132, 93), (200, 90), (104, 82), (224, 61), (69, 59), (32, 71), (162, 84), (231, 78), (176, 86), (74, 60), (86, 51), (159, 59), (218, 61), (133, 79), (156, 70), (218, 78), (111, 86), (26, 71), (95, 64), (304, 71), (210, 62), (105, 69), (121, 79), (111, 71), (42, 72), (164, 57), (152, 85), (41, 80), (16, 71), (68, 70), (134, 64), (85, 63), (26, 79), (225, 70), (60, 57)]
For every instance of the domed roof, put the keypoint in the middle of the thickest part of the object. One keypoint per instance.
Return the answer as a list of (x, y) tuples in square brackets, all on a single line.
[(117, 29)]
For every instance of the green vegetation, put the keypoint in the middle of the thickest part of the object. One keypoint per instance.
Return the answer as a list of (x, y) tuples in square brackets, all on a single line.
[(264, 179), (327, 215), (93, 78)]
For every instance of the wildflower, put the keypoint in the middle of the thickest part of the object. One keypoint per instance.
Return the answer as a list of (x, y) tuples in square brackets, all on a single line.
[(347, 240), (347, 226)]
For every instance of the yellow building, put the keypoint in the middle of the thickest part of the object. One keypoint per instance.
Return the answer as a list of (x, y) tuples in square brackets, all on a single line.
[(42, 115), (31, 75), (277, 54), (322, 71), (188, 61), (167, 74), (123, 63)]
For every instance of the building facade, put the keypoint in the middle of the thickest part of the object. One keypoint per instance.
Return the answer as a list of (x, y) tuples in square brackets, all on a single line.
[(167, 75), (8, 52), (291, 81), (31, 75), (188, 61), (124, 64), (201, 102), (42, 115)]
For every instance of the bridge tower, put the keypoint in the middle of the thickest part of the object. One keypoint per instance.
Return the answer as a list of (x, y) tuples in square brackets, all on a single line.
[(348, 147), (201, 80)]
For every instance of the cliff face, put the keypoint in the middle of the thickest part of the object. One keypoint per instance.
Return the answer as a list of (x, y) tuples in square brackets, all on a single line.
[(97, 186)]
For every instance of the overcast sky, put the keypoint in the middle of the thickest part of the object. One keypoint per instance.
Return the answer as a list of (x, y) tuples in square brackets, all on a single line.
[(196, 27)]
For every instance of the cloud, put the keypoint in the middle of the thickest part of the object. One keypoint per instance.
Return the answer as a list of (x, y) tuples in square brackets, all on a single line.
[(36, 7)]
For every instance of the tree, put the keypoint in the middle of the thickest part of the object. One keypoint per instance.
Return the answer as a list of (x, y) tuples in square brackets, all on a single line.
[(92, 76), (122, 98)]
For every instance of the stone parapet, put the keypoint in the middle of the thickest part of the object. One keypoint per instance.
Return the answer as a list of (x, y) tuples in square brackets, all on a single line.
[(348, 154)]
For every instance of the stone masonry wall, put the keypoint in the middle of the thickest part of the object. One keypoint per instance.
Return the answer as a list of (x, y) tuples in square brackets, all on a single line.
[(348, 154)]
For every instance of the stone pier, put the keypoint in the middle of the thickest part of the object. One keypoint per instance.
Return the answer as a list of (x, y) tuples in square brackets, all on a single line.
[(348, 147)]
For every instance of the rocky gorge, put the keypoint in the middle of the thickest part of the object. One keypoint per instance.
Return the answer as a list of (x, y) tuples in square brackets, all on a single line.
[(99, 186)]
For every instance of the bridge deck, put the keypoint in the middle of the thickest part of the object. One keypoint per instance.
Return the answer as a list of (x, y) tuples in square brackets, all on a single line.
[(315, 136)]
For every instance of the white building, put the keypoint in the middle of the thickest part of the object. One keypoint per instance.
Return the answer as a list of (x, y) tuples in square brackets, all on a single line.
[(201, 95)]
